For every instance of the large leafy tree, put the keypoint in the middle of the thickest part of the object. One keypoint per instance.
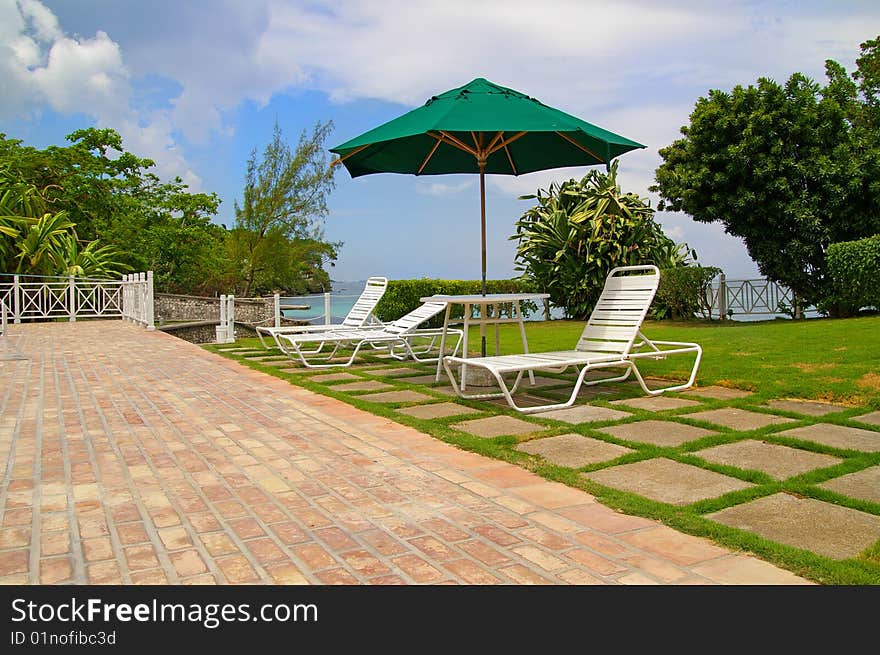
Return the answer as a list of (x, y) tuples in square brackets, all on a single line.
[(790, 168), (113, 196), (278, 240), (579, 230)]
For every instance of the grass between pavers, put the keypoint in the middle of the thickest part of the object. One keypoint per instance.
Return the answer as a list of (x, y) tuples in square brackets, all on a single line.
[(794, 353)]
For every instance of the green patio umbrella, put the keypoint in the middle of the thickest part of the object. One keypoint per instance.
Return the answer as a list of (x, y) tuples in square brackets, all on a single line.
[(480, 127)]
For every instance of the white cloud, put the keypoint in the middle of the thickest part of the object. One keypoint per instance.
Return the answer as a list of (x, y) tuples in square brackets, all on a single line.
[(42, 66), (441, 188)]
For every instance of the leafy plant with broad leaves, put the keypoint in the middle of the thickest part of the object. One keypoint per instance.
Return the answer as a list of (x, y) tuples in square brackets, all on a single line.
[(581, 229)]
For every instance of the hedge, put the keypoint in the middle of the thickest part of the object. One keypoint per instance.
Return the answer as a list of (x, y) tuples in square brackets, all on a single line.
[(854, 271), (682, 292), (402, 296)]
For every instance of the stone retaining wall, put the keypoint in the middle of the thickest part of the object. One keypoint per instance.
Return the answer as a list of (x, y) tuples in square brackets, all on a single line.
[(176, 307)]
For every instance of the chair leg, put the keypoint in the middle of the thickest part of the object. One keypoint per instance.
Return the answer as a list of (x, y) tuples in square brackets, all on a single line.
[(677, 387)]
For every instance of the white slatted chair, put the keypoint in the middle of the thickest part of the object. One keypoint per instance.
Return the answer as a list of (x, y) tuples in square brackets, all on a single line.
[(395, 336), (360, 315), (608, 340)]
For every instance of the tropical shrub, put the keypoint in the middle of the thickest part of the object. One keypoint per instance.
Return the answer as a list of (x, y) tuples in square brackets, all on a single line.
[(683, 292), (854, 269), (579, 230)]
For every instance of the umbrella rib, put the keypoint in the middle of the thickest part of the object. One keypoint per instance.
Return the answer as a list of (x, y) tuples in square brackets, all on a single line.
[(451, 140), (346, 156), (430, 154), (510, 159), (507, 142), (578, 145)]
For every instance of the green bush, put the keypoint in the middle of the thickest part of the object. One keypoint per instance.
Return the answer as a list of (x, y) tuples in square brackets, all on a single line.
[(854, 269), (683, 292), (402, 296)]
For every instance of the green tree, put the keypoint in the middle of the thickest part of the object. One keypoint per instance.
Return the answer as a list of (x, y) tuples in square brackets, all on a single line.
[(112, 196), (282, 212), (788, 168), (579, 231)]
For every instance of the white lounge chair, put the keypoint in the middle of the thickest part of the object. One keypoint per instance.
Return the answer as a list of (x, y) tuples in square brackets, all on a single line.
[(360, 315), (608, 340), (399, 334)]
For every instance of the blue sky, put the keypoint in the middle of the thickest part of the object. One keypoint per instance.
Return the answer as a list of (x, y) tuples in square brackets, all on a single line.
[(197, 85)]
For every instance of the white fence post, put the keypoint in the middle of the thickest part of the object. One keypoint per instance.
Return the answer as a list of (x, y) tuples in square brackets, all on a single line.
[(230, 320), (326, 308), (722, 297), (16, 300), (71, 299), (277, 299), (149, 291)]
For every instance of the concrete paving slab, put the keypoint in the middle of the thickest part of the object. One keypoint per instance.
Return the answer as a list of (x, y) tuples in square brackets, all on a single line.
[(659, 433), (830, 530), (781, 462), (667, 481), (656, 403), (420, 379), (872, 418), (495, 426), (573, 450), (717, 393), (366, 385), (583, 414), (402, 396), (390, 371), (437, 410), (837, 436), (864, 484), (806, 407), (334, 377), (739, 419)]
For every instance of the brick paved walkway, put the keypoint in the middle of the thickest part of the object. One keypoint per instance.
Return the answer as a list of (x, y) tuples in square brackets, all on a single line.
[(134, 457)]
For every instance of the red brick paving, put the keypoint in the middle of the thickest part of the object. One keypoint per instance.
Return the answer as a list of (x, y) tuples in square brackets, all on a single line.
[(153, 461)]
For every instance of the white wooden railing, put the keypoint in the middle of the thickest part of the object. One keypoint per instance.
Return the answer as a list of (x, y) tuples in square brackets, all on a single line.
[(757, 296), (40, 297)]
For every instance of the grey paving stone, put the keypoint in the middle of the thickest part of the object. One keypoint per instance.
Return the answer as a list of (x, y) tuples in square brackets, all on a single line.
[(871, 419), (667, 481), (837, 436), (522, 400), (718, 393), (573, 450), (334, 377), (830, 530), (656, 403), (402, 396), (495, 426), (739, 419), (421, 379), (659, 433), (807, 407), (437, 410), (366, 385), (390, 371), (779, 461), (583, 414), (864, 484)]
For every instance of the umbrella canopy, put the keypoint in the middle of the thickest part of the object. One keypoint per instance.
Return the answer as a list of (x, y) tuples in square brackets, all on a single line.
[(480, 127)]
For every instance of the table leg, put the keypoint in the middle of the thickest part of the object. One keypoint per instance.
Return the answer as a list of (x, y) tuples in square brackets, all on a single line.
[(464, 352), (443, 342), (522, 331)]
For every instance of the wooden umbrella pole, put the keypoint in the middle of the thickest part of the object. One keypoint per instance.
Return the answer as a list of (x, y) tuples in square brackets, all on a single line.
[(482, 164)]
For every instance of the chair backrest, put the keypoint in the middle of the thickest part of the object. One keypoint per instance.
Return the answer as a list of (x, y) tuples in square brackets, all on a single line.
[(360, 312), (620, 310), (417, 316)]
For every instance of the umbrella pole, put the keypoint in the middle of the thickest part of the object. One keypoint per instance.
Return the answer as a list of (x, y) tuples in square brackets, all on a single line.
[(482, 164)]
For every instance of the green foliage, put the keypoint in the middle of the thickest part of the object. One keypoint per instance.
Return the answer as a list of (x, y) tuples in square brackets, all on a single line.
[(788, 168), (141, 222), (683, 292), (854, 269), (278, 240), (579, 231), (402, 296)]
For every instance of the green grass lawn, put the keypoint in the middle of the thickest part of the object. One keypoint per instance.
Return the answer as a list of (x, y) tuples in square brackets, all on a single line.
[(820, 359)]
